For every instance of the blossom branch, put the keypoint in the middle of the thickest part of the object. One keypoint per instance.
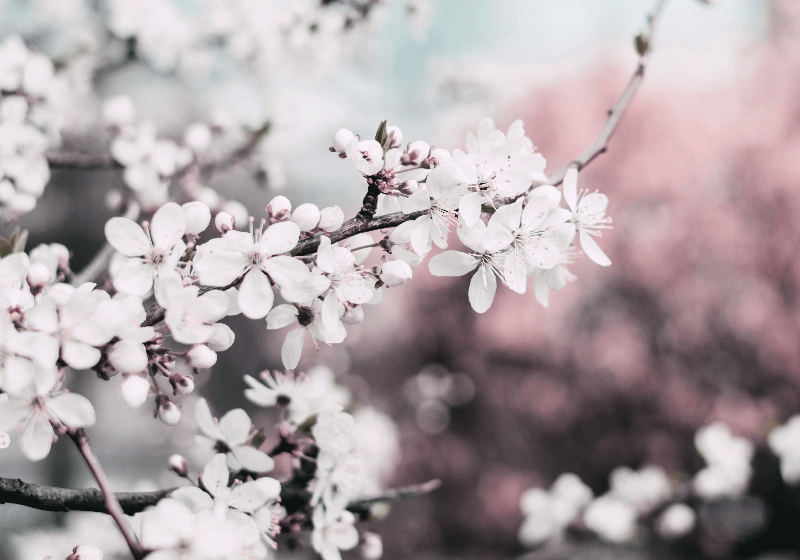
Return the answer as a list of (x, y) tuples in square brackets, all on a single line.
[(112, 505), (98, 264), (600, 144)]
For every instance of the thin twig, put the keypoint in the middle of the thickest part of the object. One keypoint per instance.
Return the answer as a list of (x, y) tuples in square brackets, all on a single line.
[(99, 263), (113, 507), (600, 144), (396, 494)]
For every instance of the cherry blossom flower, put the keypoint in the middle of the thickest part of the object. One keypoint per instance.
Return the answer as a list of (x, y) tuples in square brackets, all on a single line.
[(347, 281), (190, 315), (588, 215), (153, 252), (229, 435), (366, 155), (257, 256), (33, 402), (334, 530)]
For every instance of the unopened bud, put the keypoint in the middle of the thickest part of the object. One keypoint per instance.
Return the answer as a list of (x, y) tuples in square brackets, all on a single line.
[(134, 391), (340, 140), (86, 552), (397, 139), (62, 254), (179, 465), (201, 356), (38, 277), (331, 218), (181, 384), (372, 546), (198, 216), (224, 222), (409, 187), (128, 356), (279, 209), (168, 411), (306, 216), (197, 137)]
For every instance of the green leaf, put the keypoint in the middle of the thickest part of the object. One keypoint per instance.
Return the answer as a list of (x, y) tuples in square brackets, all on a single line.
[(305, 427), (6, 248), (258, 439), (18, 240), (380, 134), (642, 44)]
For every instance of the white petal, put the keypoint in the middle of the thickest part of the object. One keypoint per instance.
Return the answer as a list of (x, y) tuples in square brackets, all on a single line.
[(330, 311), (481, 295), (79, 355), (248, 496), (421, 235), (441, 180), (469, 208), (325, 260), (43, 317), (37, 438), (282, 316), (127, 237), (222, 337), (473, 236), (293, 347), (217, 266), (286, 271), (195, 499), (255, 295), (253, 460), (198, 216), (496, 237), (215, 474), (307, 290), (205, 421), (542, 290), (74, 411), (279, 238), (593, 250), (212, 306), (168, 225), (235, 426), (452, 263), (135, 278), (570, 186), (420, 200)]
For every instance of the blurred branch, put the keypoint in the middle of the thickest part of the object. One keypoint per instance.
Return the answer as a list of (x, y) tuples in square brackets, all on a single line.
[(643, 44), (112, 505), (396, 494), (99, 263), (70, 160)]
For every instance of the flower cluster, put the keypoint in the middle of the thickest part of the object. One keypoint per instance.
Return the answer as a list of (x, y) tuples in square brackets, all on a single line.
[(29, 125)]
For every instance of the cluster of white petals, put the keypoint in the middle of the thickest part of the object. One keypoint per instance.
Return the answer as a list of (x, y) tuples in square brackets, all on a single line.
[(728, 458), (785, 443), (29, 125)]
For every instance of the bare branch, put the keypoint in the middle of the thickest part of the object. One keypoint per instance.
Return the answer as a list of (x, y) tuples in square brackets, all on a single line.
[(112, 505), (99, 263), (600, 144), (397, 494), (70, 160)]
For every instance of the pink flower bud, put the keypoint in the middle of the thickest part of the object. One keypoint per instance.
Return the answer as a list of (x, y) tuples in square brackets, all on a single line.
[(397, 139), (198, 216), (409, 187), (134, 391), (372, 546), (341, 138), (179, 464), (279, 204), (331, 218), (237, 210), (128, 356), (224, 222), (181, 384), (62, 254), (38, 277), (168, 412), (201, 356), (306, 216), (221, 339), (86, 552)]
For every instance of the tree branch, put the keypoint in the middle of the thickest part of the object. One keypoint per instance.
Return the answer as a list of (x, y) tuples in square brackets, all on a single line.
[(600, 144), (70, 160), (112, 506), (50, 498)]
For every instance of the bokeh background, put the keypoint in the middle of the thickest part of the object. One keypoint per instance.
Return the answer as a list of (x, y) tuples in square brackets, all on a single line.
[(697, 319)]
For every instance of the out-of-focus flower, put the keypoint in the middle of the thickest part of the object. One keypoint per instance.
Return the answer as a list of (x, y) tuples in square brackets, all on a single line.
[(785, 443), (611, 518), (728, 457), (676, 521)]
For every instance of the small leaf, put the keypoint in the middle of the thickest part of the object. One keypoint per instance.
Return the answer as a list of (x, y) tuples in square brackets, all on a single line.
[(488, 208), (380, 134), (18, 240), (305, 427), (6, 248), (258, 439), (642, 44)]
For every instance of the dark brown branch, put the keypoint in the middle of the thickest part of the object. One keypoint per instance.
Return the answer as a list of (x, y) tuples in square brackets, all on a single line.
[(69, 160), (50, 498)]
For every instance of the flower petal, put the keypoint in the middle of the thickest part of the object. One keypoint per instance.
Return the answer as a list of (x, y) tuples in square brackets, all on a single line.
[(279, 238), (215, 474), (74, 411), (593, 250), (570, 186), (281, 316), (481, 295), (452, 263), (235, 426), (168, 225), (127, 237), (469, 208), (293, 347), (255, 295), (37, 438), (79, 355), (253, 460), (205, 421), (285, 271), (135, 278)]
